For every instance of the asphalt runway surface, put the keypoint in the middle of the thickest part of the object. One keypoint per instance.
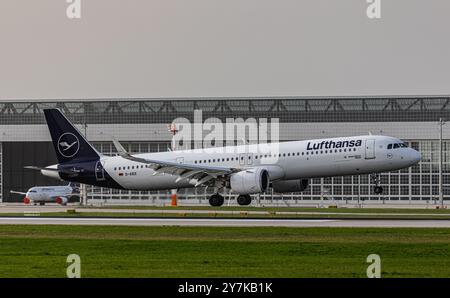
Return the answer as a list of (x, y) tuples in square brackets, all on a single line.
[(23, 209), (227, 222)]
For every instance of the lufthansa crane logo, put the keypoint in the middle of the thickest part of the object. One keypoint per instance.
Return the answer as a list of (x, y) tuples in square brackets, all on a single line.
[(68, 144)]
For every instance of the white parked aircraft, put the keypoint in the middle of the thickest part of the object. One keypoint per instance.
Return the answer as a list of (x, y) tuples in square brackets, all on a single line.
[(49, 194), (286, 166)]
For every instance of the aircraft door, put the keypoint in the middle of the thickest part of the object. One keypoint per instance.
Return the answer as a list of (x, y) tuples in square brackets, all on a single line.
[(99, 171), (242, 159), (249, 158), (370, 149)]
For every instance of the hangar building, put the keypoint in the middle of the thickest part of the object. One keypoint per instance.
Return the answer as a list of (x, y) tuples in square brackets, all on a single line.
[(141, 126)]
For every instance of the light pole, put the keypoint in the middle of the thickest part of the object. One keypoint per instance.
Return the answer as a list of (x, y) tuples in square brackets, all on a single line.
[(441, 194), (83, 193), (173, 130)]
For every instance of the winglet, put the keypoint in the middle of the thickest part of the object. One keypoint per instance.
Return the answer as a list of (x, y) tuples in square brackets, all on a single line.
[(123, 153), (120, 150)]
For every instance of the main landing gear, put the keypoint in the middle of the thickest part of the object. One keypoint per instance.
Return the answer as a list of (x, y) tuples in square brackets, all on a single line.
[(244, 200), (375, 178), (217, 200)]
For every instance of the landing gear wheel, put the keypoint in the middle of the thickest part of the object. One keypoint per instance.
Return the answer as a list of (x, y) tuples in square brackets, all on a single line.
[(244, 200), (376, 180), (42, 203), (378, 190), (216, 200)]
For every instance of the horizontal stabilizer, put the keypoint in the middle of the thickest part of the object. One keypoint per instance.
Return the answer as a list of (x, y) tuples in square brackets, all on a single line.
[(41, 168), (18, 192), (66, 171)]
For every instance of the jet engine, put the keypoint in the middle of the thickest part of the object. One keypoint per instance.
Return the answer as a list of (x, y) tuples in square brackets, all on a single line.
[(290, 185), (61, 200), (250, 181)]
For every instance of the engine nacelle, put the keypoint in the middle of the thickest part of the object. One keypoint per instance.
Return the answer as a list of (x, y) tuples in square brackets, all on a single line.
[(61, 200), (290, 185), (250, 181)]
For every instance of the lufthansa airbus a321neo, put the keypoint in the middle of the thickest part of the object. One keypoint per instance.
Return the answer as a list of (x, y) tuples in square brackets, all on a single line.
[(286, 167)]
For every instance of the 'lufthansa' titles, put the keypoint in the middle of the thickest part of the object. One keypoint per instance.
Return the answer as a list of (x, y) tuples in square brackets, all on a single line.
[(333, 144)]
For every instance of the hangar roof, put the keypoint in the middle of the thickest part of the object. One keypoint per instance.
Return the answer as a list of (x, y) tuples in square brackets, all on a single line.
[(286, 109)]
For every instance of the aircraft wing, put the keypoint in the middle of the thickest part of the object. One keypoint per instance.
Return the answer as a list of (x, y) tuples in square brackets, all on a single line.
[(201, 173), (18, 192)]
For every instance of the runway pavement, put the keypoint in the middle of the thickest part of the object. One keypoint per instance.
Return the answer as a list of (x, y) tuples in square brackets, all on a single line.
[(226, 222), (23, 209)]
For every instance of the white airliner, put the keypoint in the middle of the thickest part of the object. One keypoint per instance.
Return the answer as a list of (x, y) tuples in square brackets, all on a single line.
[(286, 167), (49, 194)]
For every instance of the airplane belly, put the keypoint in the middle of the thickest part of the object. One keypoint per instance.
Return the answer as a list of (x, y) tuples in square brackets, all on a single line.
[(152, 182), (336, 166), (310, 169)]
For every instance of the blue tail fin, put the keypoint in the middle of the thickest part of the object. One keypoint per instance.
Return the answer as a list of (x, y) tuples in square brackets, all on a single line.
[(69, 143)]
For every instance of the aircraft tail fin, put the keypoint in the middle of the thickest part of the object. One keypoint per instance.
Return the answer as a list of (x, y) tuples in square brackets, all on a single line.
[(70, 145)]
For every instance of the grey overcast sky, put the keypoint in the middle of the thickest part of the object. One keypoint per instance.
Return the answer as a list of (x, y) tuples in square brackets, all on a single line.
[(190, 48)]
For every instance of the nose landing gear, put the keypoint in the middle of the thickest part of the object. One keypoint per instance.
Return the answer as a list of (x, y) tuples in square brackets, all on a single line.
[(378, 190), (375, 178)]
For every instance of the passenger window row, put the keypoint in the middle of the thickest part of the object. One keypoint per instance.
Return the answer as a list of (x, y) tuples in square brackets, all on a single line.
[(131, 167), (278, 155), (317, 152)]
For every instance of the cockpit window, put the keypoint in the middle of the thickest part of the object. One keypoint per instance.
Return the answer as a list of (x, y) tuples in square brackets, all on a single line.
[(398, 145), (32, 191)]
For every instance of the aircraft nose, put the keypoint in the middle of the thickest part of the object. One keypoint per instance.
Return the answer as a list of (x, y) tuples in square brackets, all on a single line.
[(415, 156)]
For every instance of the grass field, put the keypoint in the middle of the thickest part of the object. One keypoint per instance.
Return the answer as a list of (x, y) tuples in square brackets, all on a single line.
[(41, 251)]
